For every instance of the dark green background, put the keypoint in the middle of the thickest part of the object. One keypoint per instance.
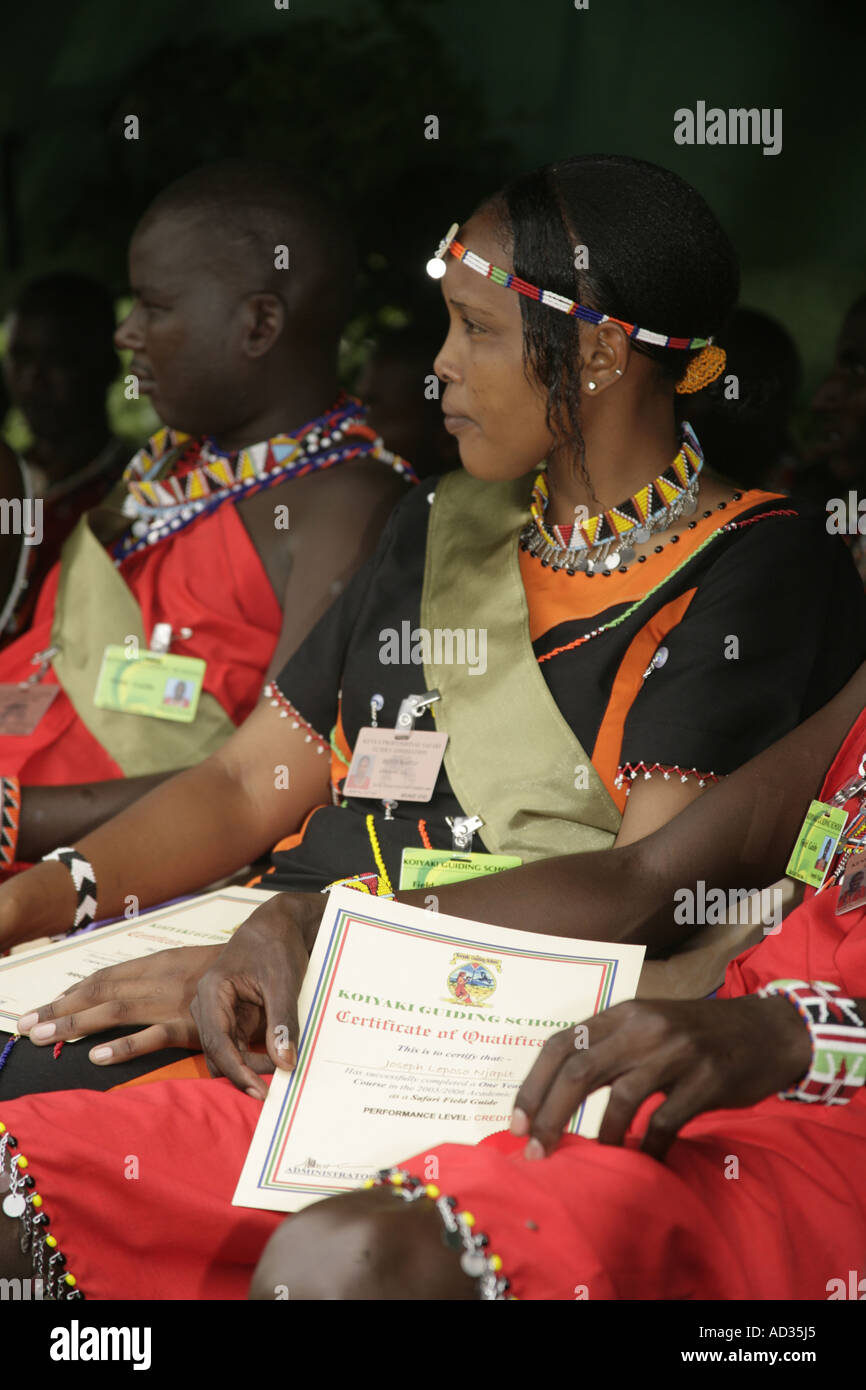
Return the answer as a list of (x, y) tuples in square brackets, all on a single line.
[(344, 89)]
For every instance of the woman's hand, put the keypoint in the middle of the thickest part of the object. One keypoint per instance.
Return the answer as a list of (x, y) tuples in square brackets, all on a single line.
[(710, 1054), (155, 990), (252, 990)]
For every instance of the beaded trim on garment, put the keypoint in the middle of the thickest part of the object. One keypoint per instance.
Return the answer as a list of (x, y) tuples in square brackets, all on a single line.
[(627, 772), (175, 479), (23, 1203), (460, 1232)]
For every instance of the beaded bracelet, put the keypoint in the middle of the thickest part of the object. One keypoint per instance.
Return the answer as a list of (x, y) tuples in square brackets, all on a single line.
[(459, 1232), (85, 883), (10, 815), (23, 1203), (838, 1036)]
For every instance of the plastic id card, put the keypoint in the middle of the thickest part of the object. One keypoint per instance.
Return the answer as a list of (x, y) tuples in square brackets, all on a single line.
[(160, 686), (816, 843), (423, 868)]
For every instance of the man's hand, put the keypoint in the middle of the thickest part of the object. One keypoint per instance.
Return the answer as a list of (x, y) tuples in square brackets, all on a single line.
[(155, 990), (251, 991), (712, 1054)]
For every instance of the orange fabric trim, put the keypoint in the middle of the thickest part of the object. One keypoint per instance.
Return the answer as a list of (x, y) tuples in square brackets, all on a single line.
[(192, 1068), (291, 840), (560, 598), (626, 685)]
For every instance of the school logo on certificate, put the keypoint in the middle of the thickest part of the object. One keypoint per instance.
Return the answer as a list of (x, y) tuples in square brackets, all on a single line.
[(470, 981)]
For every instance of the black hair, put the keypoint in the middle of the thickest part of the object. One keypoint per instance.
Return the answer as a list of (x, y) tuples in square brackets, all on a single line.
[(257, 205), (656, 257), (745, 434), (79, 303)]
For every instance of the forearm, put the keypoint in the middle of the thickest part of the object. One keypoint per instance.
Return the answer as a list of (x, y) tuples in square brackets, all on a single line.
[(196, 827), (52, 816), (738, 834)]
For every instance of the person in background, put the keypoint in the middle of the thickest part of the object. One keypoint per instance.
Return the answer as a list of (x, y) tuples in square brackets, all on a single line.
[(242, 517), (58, 365), (835, 463), (401, 392), (744, 416)]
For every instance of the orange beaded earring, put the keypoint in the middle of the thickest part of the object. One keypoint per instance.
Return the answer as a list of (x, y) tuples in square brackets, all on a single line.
[(704, 367)]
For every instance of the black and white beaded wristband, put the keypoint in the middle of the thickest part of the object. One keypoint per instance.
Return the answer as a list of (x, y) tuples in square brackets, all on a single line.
[(85, 884)]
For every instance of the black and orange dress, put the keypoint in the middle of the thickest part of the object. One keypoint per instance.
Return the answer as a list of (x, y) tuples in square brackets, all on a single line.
[(686, 664)]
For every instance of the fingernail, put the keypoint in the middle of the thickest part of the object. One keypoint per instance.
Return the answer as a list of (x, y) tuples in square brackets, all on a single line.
[(256, 1095), (100, 1054), (533, 1150), (26, 1022), (43, 1031), (519, 1122)]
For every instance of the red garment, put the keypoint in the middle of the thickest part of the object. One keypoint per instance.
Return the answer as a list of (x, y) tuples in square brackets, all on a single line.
[(59, 518), (137, 1182), (209, 578)]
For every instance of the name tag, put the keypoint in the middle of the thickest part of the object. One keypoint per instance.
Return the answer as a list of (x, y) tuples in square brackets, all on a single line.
[(852, 889), (422, 868), (159, 686), (22, 707), (816, 843), (395, 766)]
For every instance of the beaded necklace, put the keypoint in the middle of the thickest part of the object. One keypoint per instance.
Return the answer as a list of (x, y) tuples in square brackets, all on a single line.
[(175, 479), (604, 543)]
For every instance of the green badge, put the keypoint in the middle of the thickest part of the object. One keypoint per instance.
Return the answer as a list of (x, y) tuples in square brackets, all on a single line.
[(161, 686), (426, 868), (816, 843)]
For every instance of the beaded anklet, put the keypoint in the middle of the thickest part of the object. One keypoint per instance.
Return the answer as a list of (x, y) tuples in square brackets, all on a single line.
[(837, 1032), (23, 1203), (273, 693), (459, 1232), (631, 770)]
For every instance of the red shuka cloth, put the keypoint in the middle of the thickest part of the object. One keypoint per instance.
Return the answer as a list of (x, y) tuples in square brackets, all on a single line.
[(207, 577), (138, 1181)]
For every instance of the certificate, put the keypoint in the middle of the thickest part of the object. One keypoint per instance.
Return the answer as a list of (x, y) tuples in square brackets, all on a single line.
[(31, 978), (417, 1029)]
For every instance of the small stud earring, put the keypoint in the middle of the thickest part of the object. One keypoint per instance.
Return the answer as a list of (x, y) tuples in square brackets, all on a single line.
[(618, 371), (590, 386)]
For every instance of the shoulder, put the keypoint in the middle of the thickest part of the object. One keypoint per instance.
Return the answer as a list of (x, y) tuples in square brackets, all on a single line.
[(776, 529)]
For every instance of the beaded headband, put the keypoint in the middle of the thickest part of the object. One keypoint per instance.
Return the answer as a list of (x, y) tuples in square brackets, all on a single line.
[(712, 359), (436, 269)]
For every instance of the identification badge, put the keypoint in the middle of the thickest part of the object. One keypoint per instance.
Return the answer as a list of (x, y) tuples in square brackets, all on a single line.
[(852, 889), (422, 868), (816, 843), (394, 766), (22, 707), (160, 686)]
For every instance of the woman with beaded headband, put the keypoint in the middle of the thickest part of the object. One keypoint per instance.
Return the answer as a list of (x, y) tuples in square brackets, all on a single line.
[(644, 622)]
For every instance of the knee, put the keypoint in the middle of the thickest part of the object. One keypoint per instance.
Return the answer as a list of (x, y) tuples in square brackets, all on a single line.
[(336, 1250)]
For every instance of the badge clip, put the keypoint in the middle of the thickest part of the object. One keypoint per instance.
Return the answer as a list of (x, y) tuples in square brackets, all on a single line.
[(463, 830), (413, 707)]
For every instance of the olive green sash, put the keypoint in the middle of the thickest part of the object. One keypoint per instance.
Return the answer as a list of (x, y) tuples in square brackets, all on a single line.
[(95, 608), (511, 757)]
